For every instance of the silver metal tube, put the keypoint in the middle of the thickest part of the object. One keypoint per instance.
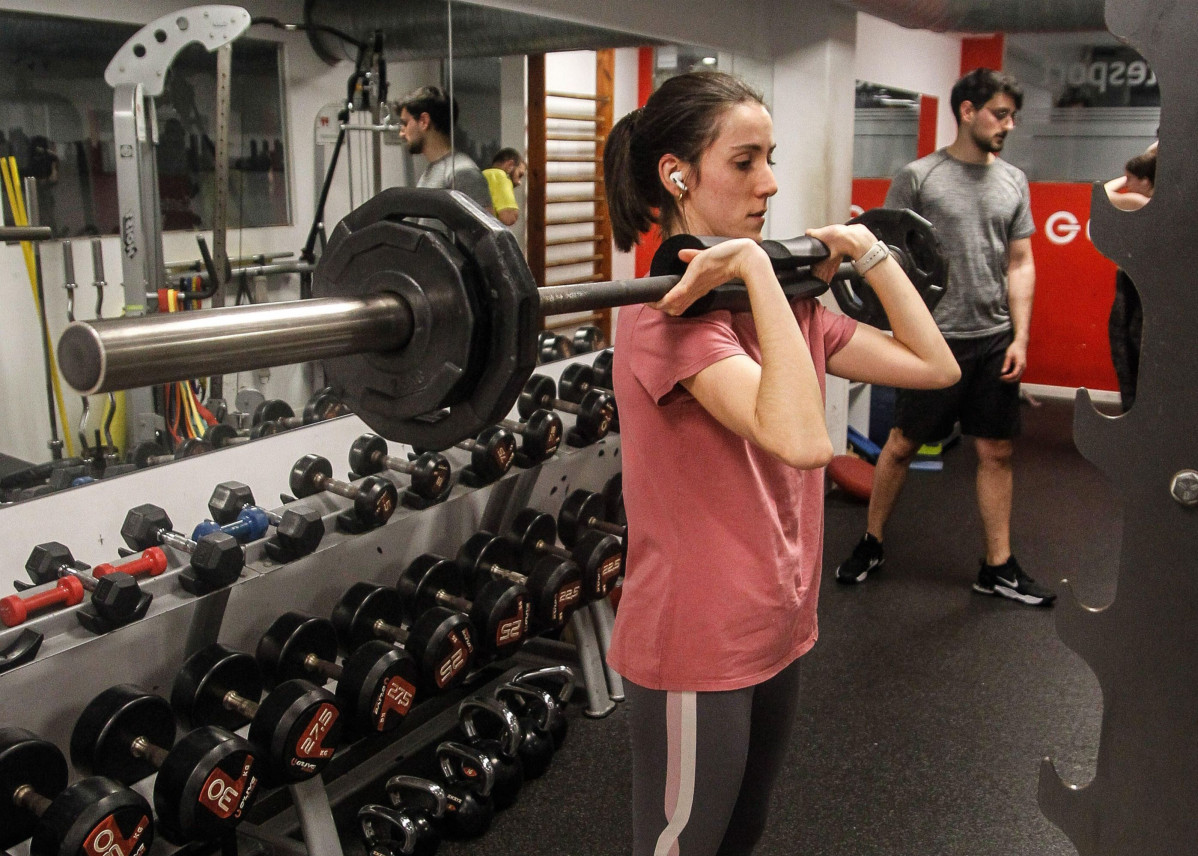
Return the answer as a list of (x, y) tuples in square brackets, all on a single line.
[(26, 233), (104, 355)]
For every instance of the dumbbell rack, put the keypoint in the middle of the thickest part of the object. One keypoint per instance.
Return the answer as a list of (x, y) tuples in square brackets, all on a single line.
[(72, 666)]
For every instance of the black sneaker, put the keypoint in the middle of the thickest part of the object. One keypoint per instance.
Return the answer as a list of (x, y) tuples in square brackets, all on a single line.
[(1009, 580), (867, 556)]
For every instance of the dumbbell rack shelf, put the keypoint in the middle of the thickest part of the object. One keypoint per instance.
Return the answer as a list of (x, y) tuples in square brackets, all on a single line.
[(73, 666)]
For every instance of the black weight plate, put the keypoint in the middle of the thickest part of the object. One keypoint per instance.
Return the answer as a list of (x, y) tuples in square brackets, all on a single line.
[(298, 726), (915, 246), (272, 410), (219, 434), (206, 676), (377, 687), (208, 781), (578, 509), (474, 305), (95, 815), (26, 759), (366, 454), (575, 382), (147, 450), (555, 586), (601, 558), (443, 643), (603, 367), (500, 612), (361, 607), (427, 575), (102, 739), (286, 644)]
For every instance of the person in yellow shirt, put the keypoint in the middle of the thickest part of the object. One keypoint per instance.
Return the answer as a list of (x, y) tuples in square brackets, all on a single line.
[(506, 172)]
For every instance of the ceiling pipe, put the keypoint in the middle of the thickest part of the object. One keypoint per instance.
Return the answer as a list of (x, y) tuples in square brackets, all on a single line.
[(987, 16)]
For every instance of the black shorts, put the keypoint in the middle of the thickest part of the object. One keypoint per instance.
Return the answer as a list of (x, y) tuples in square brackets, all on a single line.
[(986, 406)]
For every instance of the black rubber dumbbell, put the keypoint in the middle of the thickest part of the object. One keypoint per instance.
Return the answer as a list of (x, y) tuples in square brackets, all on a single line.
[(577, 380), (222, 435), (376, 685), (601, 556), (440, 640), (397, 832), (489, 727), (499, 609), (593, 415), (552, 347), (206, 780), (215, 560), (534, 709), (298, 530), (116, 598), (430, 472), (554, 584), (296, 727), (374, 497), (151, 453), (492, 453), (93, 815), (585, 511), (587, 338), (541, 434), (602, 367), (323, 404)]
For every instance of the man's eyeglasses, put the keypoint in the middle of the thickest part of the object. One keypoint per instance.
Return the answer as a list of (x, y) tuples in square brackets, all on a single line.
[(1003, 115)]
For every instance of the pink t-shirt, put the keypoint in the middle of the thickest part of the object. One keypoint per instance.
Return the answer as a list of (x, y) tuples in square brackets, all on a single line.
[(725, 541)]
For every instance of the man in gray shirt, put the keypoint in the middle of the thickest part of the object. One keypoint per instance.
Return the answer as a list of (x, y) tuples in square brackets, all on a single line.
[(980, 207), (425, 118)]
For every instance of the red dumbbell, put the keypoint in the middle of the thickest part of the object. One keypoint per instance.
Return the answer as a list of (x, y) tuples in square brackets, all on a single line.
[(14, 609), (151, 562)]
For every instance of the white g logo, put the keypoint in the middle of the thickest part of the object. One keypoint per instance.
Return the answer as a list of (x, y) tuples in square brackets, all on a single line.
[(1061, 227)]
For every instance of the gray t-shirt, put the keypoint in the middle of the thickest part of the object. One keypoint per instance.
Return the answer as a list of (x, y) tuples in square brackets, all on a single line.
[(978, 210), (456, 170)]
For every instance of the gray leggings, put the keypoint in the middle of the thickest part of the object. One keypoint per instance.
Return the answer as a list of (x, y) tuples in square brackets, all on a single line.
[(704, 764)]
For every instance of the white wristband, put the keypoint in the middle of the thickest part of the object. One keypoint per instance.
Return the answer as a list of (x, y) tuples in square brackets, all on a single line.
[(872, 257)]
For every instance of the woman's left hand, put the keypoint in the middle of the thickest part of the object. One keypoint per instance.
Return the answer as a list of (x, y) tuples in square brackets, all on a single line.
[(843, 241)]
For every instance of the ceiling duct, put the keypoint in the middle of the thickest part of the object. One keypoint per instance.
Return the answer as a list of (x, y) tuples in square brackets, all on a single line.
[(987, 16), (418, 29)]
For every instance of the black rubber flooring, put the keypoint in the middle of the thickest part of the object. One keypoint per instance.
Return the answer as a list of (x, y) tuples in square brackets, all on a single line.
[(926, 707)]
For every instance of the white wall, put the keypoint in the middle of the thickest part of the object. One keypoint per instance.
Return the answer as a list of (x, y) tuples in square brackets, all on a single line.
[(915, 60)]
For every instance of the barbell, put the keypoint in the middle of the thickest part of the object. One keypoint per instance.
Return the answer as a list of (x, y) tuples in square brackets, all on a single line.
[(429, 335)]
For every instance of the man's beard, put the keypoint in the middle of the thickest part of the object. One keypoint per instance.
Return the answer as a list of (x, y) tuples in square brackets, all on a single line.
[(993, 145), (415, 147)]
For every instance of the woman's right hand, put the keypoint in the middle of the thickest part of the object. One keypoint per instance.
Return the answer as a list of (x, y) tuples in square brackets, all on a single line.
[(738, 258)]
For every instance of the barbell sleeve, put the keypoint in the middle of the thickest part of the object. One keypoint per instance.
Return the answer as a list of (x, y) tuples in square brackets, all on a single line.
[(26, 233), (126, 353)]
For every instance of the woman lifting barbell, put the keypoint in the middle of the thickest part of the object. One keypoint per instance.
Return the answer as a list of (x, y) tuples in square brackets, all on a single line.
[(725, 535)]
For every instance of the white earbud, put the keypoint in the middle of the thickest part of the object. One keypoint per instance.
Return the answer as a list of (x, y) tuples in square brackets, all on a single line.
[(676, 177)]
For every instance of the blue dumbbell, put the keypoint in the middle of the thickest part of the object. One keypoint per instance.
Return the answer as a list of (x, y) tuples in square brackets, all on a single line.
[(250, 525)]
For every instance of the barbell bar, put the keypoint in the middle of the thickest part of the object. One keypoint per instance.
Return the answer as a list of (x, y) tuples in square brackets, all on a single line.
[(411, 321)]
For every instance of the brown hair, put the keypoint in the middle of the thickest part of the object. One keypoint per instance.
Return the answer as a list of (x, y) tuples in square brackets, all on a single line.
[(1143, 166), (681, 118)]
